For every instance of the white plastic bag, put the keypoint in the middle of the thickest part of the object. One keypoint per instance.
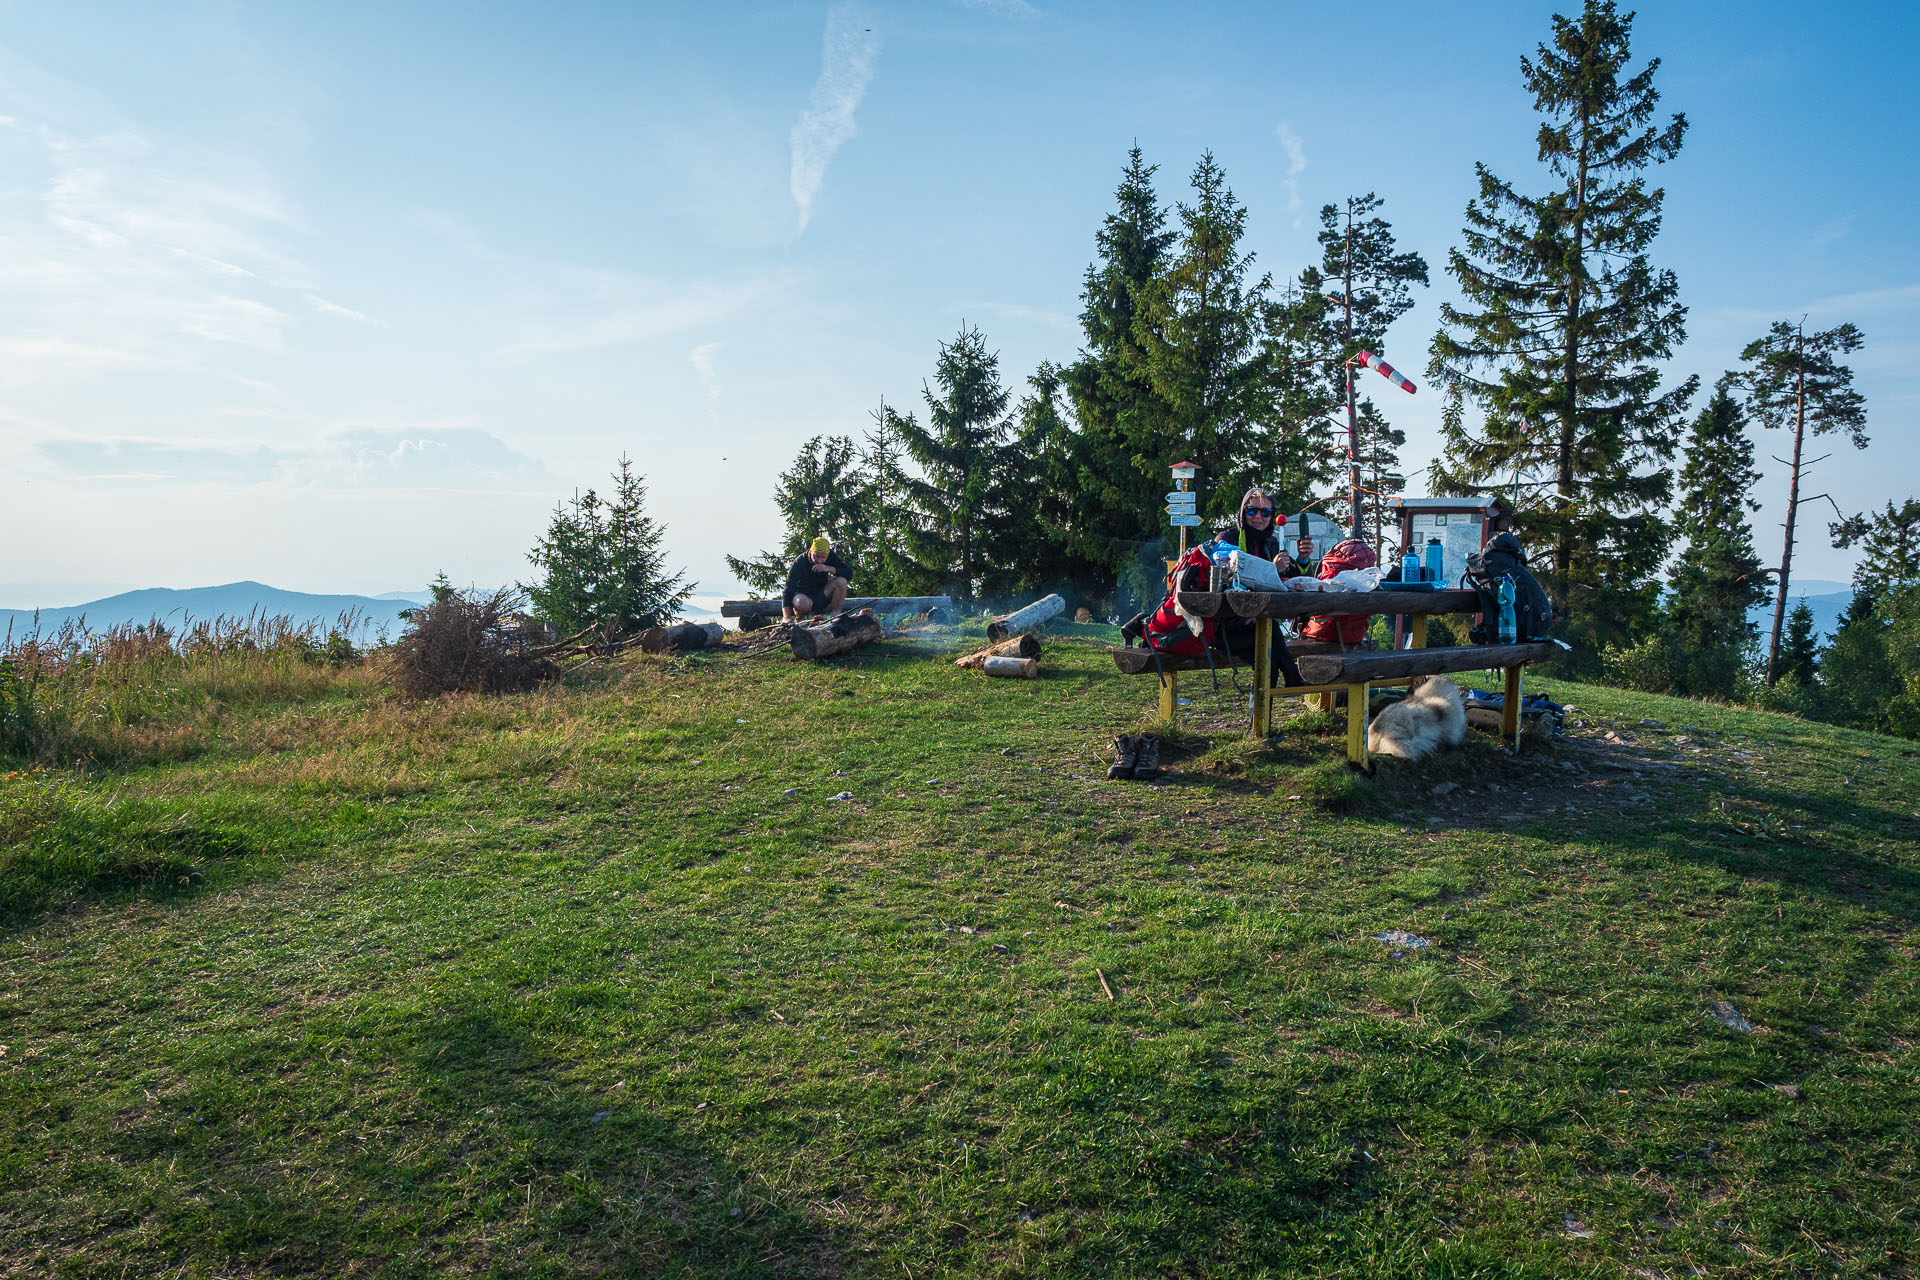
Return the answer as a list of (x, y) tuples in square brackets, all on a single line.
[(1356, 579)]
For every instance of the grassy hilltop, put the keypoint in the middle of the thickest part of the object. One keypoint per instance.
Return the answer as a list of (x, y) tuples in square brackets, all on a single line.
[(601, 980)]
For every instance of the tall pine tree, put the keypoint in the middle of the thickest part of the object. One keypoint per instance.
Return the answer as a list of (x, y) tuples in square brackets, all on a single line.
[(1564, 325), (1117, 459), (1717, 579), (955, 498), (1889, 546), (1201, 327), (1796, 381), (1370, 286)]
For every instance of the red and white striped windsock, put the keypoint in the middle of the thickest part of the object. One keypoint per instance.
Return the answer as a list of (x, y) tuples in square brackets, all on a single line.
[(1387, 371)]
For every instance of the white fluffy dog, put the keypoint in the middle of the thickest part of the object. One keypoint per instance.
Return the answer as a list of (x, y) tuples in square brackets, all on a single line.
[(1429, 717)]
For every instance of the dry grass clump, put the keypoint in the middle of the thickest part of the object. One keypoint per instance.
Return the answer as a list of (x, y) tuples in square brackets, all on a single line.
[(468, 642), (146, 691)]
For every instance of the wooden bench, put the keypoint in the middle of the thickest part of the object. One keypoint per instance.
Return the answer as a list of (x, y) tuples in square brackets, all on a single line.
[(1328, 669)]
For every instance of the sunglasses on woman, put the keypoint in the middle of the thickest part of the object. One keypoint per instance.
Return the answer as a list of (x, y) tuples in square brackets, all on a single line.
[(1260, 511)]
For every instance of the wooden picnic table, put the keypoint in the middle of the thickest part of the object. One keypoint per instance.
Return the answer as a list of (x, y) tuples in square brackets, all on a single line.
[(1330, 669)]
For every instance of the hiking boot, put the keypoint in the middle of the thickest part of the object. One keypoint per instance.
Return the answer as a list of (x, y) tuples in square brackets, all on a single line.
[(1146, 763), (1134, 630), (1124, 755)]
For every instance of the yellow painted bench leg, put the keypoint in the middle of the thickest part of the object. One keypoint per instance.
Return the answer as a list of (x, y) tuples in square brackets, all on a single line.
[(1169, 696), (1357, 697), (1262, 677), (1510, 714), (1417, 631)]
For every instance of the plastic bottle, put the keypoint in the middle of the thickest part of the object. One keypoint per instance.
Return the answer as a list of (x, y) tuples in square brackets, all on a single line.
[(1436, 561), (1509, 628), (1222, 555), (1410, 567)]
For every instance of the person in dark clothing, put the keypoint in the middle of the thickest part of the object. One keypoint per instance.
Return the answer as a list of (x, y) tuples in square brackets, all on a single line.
[(817, 582), (1256, 531)]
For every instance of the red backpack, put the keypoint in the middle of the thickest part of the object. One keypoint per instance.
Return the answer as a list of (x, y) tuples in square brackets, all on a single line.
[(1167, 629), (1345, 628)]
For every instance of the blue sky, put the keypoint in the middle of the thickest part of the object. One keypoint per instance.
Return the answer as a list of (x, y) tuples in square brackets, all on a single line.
[(337, 297)]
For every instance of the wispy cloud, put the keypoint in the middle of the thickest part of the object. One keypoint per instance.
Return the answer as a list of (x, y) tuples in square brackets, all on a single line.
[(1296, 163), (632, 309), (421, 457), (701, 358), (1017, 8), (140, 253), (847, 56)]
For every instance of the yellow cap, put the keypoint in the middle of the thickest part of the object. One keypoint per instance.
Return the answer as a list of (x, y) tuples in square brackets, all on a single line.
[(821, 545)]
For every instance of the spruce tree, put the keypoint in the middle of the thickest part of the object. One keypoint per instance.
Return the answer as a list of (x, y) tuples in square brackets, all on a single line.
[(955, 499), (1201, 327), (827, 490), (1717, 579), (1371, 286), (604, 562), (1796, 381), (1889, 547), (1563, 327), (1799, 651), (1117, 460), (1045, 503)]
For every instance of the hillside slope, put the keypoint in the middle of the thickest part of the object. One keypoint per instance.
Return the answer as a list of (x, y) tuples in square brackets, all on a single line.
[(746, 967)]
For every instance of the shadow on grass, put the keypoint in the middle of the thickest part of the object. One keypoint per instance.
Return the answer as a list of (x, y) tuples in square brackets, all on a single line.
[(451, 1145)]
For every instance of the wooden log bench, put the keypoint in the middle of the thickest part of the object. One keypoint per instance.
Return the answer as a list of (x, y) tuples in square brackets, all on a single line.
[(1328, 669)]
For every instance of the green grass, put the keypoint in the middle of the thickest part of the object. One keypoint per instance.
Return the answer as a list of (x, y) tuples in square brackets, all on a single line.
[(567, 983)]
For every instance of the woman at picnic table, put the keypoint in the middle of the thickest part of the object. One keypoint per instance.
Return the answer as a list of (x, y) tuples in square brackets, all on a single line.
[(1257, 531)]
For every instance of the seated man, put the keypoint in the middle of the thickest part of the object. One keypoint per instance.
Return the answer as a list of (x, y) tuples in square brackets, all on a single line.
[(816, 582)]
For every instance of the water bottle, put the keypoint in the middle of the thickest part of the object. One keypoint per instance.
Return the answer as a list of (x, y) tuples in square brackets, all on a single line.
[(1436, 561), (1509, 628), (1410, 567)]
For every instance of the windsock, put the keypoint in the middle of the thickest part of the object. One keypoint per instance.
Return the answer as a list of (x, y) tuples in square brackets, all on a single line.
[(1387, 371)]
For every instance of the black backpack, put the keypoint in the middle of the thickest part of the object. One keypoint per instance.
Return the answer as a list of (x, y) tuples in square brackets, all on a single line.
[(1503, 557)]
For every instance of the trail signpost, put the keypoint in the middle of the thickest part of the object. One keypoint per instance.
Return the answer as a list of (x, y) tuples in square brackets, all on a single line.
[(1181, 510)]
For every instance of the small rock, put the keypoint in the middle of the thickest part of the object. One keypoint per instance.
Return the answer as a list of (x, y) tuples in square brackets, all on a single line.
[(703, 1106), (1614, 737), (1401, 938), (1651, 724), (1577, 1229), (844, 795), (1726, 1015), (967, 928), (1006, 751), (598, 1116), (838, 773), (1001, 947), (791, 791), (1441, 789), (696, 762), (1788, 1091), (933, 782)]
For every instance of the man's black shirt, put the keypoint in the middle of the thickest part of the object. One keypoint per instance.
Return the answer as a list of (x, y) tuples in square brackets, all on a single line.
[(803, 579)]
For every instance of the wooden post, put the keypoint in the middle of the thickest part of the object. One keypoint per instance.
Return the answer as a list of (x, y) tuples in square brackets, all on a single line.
[(1357, 697), (1416, 631), (1262, 677), (1170, 696), (1510, 714)]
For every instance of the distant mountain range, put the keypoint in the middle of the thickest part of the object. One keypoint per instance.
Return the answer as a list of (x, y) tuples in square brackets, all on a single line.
[(238, 600)]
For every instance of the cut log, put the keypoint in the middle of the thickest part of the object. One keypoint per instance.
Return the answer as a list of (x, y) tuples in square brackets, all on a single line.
[(1018, 647), (1398, 664), (681, 637), (1019, 668), (879, 604), (846, 632), (1308, 604), (1033, 615)]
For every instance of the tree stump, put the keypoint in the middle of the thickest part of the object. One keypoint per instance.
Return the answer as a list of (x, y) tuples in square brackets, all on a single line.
[(681, 637), (845, 633)]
